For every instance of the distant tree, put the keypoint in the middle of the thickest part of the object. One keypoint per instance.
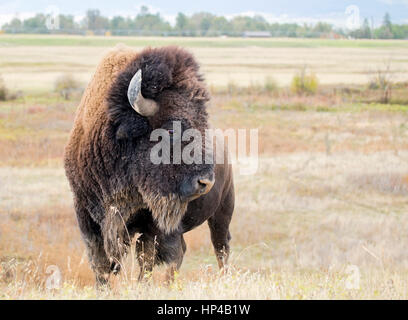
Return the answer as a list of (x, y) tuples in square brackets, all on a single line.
[(95, 21), (67, 22), (400, 31), (118, 23), (323, 27), (14, 25), (307, 31), (259, 23), (240, 24), (220, 25), (203, 24), (385, 31), (364, 32), (148, 23), (200, 23), (387, 21), (35, 24), (284, 30), (91, 17), (181, 22), (144, 10)]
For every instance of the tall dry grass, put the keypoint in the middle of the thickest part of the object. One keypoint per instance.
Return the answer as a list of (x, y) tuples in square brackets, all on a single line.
[(329, 194), (298, 225)]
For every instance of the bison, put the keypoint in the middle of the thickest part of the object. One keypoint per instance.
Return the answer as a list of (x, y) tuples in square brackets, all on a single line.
[(118, 191)]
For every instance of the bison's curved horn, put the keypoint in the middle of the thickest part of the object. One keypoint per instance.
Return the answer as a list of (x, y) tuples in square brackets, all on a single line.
[(143, 106)]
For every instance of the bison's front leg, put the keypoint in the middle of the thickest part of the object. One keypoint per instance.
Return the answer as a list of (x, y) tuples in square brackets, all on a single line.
[(153, 249), (177, 259), (116, 237), (146, 248), (91, 233)]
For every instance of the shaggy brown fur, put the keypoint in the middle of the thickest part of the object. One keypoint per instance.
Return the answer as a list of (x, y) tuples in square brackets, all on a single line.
[(117, 190)]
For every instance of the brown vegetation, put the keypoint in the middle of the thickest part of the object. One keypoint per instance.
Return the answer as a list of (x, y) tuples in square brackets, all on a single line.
[(330, 191), (324, 174)]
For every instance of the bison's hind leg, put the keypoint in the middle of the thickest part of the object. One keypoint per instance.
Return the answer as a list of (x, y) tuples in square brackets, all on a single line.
[(220, 238)]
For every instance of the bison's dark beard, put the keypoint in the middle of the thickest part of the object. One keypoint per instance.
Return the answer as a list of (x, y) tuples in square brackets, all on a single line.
[(167, 210)]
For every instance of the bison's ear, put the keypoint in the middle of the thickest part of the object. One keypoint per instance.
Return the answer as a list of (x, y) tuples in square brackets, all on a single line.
[(132, 127)]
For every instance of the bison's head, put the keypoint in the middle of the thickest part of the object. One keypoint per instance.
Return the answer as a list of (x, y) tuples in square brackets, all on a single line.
[(162, 89)]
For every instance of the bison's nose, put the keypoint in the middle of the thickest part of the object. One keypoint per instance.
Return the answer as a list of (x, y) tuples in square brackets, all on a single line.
[(193, 188), (205, 185)]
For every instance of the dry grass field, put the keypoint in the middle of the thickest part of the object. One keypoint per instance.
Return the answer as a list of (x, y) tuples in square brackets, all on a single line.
[(324, 217), (242, 61)]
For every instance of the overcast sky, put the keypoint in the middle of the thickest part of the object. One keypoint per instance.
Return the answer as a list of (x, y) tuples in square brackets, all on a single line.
[(273, 10)]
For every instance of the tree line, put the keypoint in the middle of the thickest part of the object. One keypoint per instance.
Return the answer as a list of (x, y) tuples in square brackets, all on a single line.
[(200, 24)]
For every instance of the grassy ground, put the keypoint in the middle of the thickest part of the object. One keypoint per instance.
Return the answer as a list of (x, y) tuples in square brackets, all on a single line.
[(330, 193), (324, 216), (94, 41), (244, 62)]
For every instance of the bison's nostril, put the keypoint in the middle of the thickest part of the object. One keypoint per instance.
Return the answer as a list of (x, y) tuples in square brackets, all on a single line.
[(206, 184), (202, 183), (191, 189)]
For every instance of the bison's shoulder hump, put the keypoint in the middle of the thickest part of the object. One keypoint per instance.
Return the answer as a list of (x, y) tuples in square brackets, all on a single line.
[(93, 103)]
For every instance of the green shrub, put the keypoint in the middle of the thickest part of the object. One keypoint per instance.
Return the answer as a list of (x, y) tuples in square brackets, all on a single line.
[(304, 83), (66, 85)]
